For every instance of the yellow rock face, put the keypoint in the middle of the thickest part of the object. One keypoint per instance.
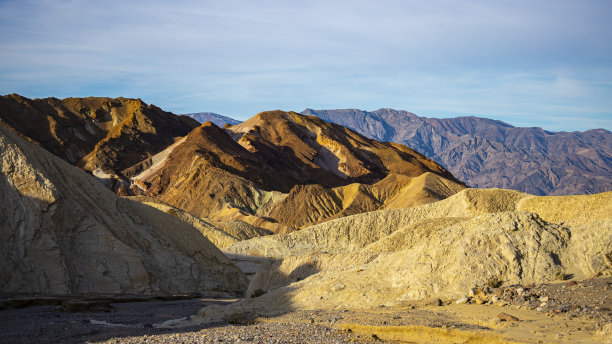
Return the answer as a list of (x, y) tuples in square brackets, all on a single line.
[(441, 249), (63, 232)]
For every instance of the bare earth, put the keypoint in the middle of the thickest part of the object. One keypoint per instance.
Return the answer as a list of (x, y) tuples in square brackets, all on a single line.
[(574, 313)]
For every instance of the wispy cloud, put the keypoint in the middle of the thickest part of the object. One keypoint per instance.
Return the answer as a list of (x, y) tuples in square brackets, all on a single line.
[(521, 61)]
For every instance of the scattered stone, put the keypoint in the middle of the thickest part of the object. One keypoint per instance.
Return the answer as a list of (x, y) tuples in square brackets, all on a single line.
[(507, 317), (571, 283), (242, 318), (462, 300), (338, 287)]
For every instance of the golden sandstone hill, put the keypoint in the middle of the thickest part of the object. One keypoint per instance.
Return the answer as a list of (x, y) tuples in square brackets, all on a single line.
[(64, 233), (281, 171), (439, 250), (380, 226)]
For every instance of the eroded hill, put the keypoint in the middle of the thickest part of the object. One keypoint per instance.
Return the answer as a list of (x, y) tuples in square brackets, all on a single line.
[(94, 133), (281, 170), (439, 250), (62, 232)]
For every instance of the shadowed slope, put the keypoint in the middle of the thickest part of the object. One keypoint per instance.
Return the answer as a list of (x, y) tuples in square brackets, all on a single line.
[(62, 232)]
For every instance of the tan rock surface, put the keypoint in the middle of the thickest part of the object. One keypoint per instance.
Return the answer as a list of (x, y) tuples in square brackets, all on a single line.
[(222, 234), (440, 249), (62, 232)]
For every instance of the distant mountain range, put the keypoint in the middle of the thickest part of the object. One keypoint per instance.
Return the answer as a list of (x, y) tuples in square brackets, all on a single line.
[(487, 153), (217, 119)]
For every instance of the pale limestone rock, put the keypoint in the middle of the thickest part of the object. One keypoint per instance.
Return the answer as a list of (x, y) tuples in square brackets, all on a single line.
[(62, 232), (440, 249)]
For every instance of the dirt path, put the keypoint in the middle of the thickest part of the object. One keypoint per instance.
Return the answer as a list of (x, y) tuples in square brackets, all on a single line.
[(574, 312)]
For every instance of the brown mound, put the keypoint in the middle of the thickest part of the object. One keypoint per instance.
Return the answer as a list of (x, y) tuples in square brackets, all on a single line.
[(94, 133), (327, 170), (317, 152), (307, 205)]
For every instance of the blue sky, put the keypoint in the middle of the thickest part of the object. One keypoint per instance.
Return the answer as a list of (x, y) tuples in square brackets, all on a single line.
[(529, 63)]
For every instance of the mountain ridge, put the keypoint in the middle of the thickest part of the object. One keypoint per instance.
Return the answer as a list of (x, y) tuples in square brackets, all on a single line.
[(109, 134), (218, 120), (491, 153), (260, 169)]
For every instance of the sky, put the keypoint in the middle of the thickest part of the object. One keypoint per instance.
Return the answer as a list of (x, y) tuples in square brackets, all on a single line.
[(528, 63)]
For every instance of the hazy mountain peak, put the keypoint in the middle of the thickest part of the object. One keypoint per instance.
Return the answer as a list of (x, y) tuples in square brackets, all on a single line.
[(217, 119), (491, 153)]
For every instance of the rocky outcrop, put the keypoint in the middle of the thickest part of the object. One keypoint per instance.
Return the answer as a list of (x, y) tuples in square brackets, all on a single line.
[(440, 250), (94, 133), (62, 232), (492, 154)]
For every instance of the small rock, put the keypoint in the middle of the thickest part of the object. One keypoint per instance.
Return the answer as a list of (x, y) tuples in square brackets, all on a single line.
[(462, 300), (507, 317), (543, 298), (338, 287), (571, 283), (433, 302), (539, 309), (242, 318)]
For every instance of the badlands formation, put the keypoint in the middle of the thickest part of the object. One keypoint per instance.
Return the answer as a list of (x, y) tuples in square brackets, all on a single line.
[(281, 171), (303, 217), (441, 250), (64, 233)]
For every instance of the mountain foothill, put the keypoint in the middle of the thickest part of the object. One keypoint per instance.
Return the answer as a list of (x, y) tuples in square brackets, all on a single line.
[(326, 209)]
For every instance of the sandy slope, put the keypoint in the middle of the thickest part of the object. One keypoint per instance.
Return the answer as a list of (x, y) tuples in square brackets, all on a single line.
[(389, 257), (62, 232)]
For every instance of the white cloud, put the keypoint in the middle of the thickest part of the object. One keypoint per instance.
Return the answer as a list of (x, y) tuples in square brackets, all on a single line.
[(239, 57)]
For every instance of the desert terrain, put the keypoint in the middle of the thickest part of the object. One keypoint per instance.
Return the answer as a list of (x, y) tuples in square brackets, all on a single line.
[(123, 223)]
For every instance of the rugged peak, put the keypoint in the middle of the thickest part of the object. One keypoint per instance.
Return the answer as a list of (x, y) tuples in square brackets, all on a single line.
[(243, 170), (332, 152), (110, 134)]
